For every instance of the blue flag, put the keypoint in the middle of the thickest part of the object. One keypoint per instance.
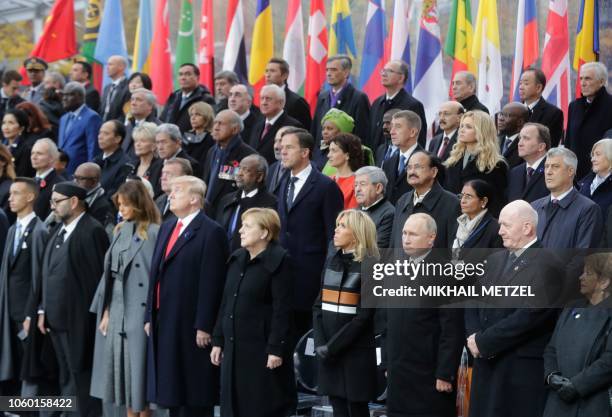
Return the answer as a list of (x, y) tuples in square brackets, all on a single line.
[(111, 38)]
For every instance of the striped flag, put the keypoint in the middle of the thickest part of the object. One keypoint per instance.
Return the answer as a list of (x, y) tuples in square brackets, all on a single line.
[(429, 84), (486, 51), (587, 37), (555, 57), (111, 38), (527, 48), (234, 58), (262, 47), (185, 42), (143, 38), (341, 40), (293, 49), (161, 72), (317, 53), (90, 38), (373, 57), (206, 54), (459, 39), (400, 37)]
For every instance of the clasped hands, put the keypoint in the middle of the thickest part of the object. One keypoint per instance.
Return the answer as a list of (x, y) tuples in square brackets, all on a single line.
[(563, 386)]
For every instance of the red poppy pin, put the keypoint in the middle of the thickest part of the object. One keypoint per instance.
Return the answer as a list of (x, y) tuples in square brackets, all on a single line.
[(236, 164), (43, 183)]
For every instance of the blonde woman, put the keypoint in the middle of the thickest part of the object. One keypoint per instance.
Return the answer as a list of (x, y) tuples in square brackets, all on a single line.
[(344, 332), (198, 140), (476, 155), (597, 185), (148, 165)]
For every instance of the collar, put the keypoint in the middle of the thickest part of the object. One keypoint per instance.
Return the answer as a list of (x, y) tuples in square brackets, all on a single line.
[(187, 220), (393, 96), (512, 137), (449, 135), (275, 118), (338, 91), (533, 103), (536, 164), (25, 221), (520, 251), (371, 206), (70, 227), (562, 196), (3, 94), (250, 194), (419, 198), (78, 111), (118, 81), (598, 180), (184, 96), (409, 151), (420, 258), (44, 174), (244, 115), (115, 155), (429, 200), (303, 174)]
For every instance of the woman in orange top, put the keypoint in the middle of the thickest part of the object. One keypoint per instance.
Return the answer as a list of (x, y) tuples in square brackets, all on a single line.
[(346, 155)]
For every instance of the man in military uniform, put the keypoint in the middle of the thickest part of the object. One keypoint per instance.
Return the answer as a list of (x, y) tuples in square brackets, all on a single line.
[(35, 68)]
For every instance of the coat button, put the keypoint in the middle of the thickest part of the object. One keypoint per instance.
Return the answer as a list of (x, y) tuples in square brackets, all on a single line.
[(242, 274), (137, 265), (143, 304), (140, 284), (232, 316), (235, 294), (231, 339)]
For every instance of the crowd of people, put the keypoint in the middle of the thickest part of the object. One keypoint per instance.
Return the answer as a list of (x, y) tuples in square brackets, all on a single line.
[(172, 256)]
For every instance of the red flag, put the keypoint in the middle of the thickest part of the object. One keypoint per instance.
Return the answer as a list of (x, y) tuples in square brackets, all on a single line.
[(206, 54), (58, 39), (316, 57), (161, 68)]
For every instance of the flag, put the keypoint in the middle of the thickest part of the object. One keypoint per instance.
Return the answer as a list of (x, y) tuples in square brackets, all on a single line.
[(185, 43), (400, 37), (144, 35), (161, 72), (587, 37), (486, 51), (206, 54), (317, 53), (429, 84), (234, 58), (293, 49), (526, 50), (111, 39), (58, 39), (373, 57), (90, 38), (555, 56), (262, 47), (459, 39), (341, 40)]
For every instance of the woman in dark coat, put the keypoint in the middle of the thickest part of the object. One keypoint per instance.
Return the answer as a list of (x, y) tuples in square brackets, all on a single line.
[(148, 166), (7, 175), (198, 140), (597, 185), (14, 127), (38, 124), (343, 331), (476, 155), (251, 338), (578, 358)]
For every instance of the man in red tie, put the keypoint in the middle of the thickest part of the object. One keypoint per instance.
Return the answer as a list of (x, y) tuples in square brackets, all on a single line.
[(187, 277), (449, 114)]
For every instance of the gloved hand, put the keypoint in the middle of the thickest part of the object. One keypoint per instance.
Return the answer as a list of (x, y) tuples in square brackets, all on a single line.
[(568, 391), (555, 381), (322, 352)]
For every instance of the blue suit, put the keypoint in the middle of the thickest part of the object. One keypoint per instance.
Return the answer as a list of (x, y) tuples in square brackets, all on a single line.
[(81, 142)]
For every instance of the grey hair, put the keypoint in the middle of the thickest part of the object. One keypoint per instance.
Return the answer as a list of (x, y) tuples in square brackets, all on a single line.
[(345, 61), (75, 87), (601, 72), (524, 211), (236, 120), (469, 77), (569, 157), (403, 67), (171, 130), (57, 77), (247, 88), (278, 92), (375, 174), (606, 144), (51, 147), (149, 96), (262, 164), (227, 75), (145, 130), (430, 223), (410, 117)]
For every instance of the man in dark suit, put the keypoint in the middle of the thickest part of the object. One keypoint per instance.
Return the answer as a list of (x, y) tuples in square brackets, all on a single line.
[(224, 81), (427, 196), (393, 78), (172, 168), (142, 109), (21, 260), (508, 343), (71, 269), (35, 68), (9, 93), (116, 92), (526, 181), (112, 161), (276, 171), (82, 72), (449, 113), (223, 159), (78, 128), (405, 128), (241, 102), (169, 141), (277, 72), (308, 204), (531, 86), (43, 156), (386, 149), (567, 219), (589, 116), (342, 95), (464, 91), (271, 104), (99, 204), (510, 121), (187, 275), (370, 185), (251, 192), (177, 105)]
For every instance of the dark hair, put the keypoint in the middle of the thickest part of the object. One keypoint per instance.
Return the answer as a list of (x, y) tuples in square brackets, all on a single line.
[(145, 211), (7, 158), (21, 117), (118, 128), (304, 137), (345, 61), (37, 119), (63, 157), (146, 80), (482, 189), (11, 75), (351, 145), (434, 162), (185, 165), (284, 65), (543, 133), (540, 77), (29, 182), (195, 68), (86, 67)]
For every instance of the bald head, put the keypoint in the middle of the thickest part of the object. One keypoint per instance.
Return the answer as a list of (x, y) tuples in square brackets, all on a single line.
[(115, 66), (518, 224), (512, 118), (87, 175)]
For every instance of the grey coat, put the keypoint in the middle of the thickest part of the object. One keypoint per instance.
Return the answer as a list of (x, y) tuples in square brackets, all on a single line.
[(137, 263)]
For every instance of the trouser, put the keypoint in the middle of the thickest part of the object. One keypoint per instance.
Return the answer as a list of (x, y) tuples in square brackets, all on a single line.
[(191, 411), (345, 408)]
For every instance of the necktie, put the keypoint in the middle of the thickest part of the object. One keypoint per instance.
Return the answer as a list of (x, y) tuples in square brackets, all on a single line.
[(551, 208), (443, 146), (266, 129), (173, 237), (17, 237), (59, 240), (507, 144), (509, 262), (184, 101), (291, 191), (402, 164), (530, 172), (109, 98), (595, 183), (233, 223), (70, 122)]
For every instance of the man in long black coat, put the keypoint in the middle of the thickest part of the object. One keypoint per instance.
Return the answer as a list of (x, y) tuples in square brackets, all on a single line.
[(464, 91), (526, 181), (187, 274)]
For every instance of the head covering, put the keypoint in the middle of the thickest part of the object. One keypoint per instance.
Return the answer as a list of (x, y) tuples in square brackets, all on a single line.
[(34, 63), (70, 189), (343, 121)]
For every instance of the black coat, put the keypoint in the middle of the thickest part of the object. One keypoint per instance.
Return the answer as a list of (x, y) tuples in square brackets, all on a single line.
[(9, 104), (298, 108), (440, 204), (127, 144), (276, 172), (196, 167), (120, 96), (226, 211), (484, 236), (520, 189), (472, 103), (550, 116), (397, 185), (20, 150), (103, 210), (436, 142), (581, 349), (197, 146), (265, 145), (178, 372), (511, 155), (403, 101), (255, 321), (42, 206), (382, 214), (92, 97), (160, 202), (586, 125), (5, 189), (115, 170), (152, 174), (251, 121), (602, 195), (174, 113), (350, 370), (351, 101)]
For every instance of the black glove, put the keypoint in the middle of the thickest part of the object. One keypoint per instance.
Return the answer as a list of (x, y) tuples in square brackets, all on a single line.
[(567, 391), (555, 381), (322, 352)]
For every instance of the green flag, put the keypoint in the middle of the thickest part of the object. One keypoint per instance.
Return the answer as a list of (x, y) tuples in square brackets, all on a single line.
[(185, 43), (92, 26)]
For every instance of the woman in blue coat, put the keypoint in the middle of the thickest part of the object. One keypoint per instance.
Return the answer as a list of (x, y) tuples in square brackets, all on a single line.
[(597, 185)]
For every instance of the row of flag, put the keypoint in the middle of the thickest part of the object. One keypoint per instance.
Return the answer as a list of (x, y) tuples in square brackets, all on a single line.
[(473, 47)]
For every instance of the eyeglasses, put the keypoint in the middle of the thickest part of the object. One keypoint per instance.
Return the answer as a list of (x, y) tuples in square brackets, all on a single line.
[(468, 197), (56, 202), (385, 71)]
